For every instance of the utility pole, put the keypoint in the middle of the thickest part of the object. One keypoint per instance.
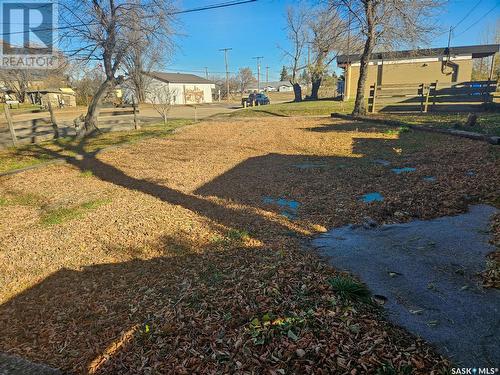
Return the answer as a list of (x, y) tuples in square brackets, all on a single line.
[(227, 70), (267, 76), (258, 58), (206, 72), (347, 70)]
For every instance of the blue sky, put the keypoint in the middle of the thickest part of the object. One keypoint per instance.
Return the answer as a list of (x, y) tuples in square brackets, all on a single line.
[(256, 29)]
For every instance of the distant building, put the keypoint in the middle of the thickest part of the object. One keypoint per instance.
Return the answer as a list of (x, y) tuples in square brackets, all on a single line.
[(56, 96), (414, 66), (182, 88), (279, 86), (7, 95)]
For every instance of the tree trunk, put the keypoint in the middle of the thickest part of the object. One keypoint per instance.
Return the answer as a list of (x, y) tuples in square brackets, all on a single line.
[(90, 125), (316, 84), (297, 91), (359, 104)]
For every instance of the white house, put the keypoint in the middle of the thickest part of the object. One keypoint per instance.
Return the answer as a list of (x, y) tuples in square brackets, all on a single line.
[(179, 88), (280, 86)]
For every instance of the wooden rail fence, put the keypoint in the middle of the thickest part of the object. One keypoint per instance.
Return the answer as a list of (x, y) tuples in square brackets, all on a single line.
[(435, 96), (46, 126)]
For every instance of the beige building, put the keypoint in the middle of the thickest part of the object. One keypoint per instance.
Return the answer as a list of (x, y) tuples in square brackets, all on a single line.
[(414, 66), (57, 97)]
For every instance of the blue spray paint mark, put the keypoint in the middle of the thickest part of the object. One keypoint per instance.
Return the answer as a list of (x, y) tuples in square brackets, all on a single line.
[(430, 178), (403, 170), (268, 200), (372, 197), (385, 163), (470, 173), (288, 207)]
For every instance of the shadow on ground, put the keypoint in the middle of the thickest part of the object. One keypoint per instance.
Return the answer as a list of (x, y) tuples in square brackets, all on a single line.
[(179, 313)]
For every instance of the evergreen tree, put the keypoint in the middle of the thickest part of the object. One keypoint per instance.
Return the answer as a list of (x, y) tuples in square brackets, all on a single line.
[(284, 74)]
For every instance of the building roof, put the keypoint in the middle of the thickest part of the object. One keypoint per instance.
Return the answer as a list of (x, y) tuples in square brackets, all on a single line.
[(270, 84), (53, 90), (178, 78), (476, 52)]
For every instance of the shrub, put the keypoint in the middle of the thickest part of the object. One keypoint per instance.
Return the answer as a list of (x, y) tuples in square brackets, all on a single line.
[(349, 289)]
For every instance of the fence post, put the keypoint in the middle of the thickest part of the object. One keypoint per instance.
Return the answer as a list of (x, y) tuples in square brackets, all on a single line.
[(371, 98), (137, 126), (426, 104), (435, 95), (11, 124), (485, 92), (421, 93), (53, 120)]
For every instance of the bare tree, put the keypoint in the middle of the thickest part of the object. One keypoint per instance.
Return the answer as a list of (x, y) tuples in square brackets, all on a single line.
[(482, 69), (328, 37), (220, 84), (143, 57), (88, 84), (245, 78), (137, 64), (106, 31), (162, 101), (387, 23), (20, 81), (297, 35), (17, 80)]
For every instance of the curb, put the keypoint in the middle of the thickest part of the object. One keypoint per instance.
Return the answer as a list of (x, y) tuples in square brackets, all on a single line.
[(494, 140)]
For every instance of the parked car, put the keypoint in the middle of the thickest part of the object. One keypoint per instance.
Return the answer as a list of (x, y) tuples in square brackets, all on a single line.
[(262, 99), (255, 99)]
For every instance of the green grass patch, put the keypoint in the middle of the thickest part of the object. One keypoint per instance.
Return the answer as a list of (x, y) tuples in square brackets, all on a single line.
[(398, 131), (22, 108), (388, 369), (60, 215), (20, 199), (63, 214), (30, 155), (237, 235), (487, 123), (349, 289), (304, 108), (86, 173), (263, 330)]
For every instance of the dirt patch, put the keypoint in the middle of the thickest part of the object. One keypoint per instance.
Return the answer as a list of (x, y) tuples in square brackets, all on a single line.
[(170, 274)]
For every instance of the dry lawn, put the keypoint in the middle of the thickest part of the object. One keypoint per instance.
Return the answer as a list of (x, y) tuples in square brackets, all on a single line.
[(161, 256)]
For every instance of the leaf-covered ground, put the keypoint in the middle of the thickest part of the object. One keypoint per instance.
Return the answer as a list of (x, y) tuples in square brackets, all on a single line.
[(169, 255)]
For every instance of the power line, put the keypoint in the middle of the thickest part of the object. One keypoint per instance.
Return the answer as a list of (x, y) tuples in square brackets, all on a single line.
[(476, 22), (192, 10), (467, 15), (214, 6)]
